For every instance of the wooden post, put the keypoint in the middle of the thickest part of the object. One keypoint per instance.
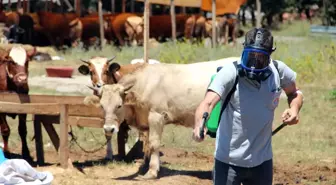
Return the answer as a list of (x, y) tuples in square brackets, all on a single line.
[(123, 6), (184, 10), (112, 6), (132, 6), (24, 5), (38, 141), (258, 13), (173, 20), (101, 24), (64, 148), (18, 4), (150, 9), (146, 30), (28, 6), (214, 29), (9, 5), (78, 7)]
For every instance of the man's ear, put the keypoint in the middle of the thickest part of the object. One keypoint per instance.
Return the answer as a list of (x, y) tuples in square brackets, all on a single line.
[(84, 69), (92, 100)]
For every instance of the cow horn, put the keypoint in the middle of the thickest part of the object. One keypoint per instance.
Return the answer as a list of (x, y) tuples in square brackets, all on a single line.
[(85, 61), (109, 60)]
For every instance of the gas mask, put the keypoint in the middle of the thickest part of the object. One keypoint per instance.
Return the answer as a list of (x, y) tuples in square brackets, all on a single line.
[(256, 56), (255, 64)]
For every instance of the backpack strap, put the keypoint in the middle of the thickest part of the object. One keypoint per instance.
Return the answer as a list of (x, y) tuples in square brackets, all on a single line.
[(228, 97), (276, 66)]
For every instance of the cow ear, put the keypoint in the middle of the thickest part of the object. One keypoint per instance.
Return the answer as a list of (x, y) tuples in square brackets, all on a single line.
[(92, 100), (31, 53), (114, 67), (84, 69)]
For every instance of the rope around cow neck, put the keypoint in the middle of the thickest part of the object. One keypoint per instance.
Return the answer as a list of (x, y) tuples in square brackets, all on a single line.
[(74, 139)]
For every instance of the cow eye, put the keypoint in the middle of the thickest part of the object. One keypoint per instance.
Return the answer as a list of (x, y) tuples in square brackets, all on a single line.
[(119, 106)]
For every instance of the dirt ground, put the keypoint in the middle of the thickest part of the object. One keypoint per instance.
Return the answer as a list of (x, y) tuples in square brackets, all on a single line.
[(178, 167)]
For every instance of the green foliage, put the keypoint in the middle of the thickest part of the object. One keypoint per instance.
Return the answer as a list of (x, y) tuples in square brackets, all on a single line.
[(330, 13), (332, 94)]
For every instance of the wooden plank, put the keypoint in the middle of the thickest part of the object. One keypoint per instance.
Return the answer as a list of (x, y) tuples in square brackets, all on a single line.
[(50, 109), (258, 3), (38, 141), (173, 19), (132, 6), (85, 111), (64, 148), (101, 24), (30, 108), (23, 98), (52, 133), (78, 7), (214, 29), (28, 6), (123, 6), (94, 122), (113, 6), (146, 30), (86, 122)]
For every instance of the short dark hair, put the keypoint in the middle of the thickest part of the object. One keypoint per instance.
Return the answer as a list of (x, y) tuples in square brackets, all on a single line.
[(260, 38)]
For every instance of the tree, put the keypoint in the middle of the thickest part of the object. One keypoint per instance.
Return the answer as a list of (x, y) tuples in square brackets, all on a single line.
[(329, 15)]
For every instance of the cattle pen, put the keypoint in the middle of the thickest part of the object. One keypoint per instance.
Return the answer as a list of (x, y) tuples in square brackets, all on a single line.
[(48, 110)]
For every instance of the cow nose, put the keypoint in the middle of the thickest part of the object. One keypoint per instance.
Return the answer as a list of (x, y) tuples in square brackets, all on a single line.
[(22, 78), (109, 128)]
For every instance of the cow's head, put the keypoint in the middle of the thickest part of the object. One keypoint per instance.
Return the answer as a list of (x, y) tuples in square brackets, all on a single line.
[(112, 101), (101, 71), (17, 60)]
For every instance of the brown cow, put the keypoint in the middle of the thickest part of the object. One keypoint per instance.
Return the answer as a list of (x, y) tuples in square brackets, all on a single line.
[(56, 26), (14, 78), (125, 26), (160, 26), (85, 29), (195, 28)]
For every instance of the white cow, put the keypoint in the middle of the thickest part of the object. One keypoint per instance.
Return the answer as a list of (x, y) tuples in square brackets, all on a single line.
[(153, 96), (141, 60)]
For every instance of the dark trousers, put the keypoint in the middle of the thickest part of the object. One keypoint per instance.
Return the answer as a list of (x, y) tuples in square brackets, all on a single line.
[(225, 174)]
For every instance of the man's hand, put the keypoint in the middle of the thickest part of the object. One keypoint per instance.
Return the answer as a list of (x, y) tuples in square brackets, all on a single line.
[(290, 117), (209, 102), (196, 132)]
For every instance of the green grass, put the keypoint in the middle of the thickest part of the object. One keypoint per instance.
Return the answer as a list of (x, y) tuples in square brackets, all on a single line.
[(313, 58)]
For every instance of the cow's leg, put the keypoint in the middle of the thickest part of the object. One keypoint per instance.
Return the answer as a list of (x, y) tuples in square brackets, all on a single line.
[(23, 135), (122, 139), (120, 39), (155, 133), (5, 132), (144, 137)]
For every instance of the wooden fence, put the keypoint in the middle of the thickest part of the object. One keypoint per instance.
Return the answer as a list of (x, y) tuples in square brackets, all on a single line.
[(49, 110)]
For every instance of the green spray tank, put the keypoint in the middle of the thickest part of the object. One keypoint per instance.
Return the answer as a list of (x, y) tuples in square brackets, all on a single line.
[(212, 122)]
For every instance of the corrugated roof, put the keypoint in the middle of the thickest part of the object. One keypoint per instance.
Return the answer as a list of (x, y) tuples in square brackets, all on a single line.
[(187, 3), (15, 1), (222, 6)]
